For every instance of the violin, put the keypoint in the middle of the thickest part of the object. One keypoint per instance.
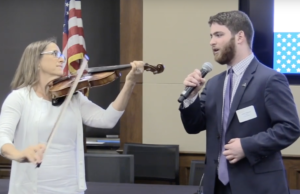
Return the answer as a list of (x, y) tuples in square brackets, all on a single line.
[(94, 77), (66, 86)]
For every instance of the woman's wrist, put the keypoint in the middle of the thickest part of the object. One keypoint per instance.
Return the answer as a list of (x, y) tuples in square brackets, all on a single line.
[(130, 83), (10, 152)]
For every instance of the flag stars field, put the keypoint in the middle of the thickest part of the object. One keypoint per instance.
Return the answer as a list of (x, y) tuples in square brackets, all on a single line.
[(287, 52)]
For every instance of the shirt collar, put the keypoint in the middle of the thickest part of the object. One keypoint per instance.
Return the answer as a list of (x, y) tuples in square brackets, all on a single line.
[(241, 66)]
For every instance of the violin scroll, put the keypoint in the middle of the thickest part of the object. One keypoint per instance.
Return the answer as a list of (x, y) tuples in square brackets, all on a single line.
[(159, 68)]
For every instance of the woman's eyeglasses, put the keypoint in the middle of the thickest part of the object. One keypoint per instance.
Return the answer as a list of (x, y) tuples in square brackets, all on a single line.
[(57, 54)]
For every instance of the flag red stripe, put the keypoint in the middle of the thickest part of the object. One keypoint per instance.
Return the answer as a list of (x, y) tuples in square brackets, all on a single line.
[(75, 13), (75, 65), (75, 30), (75, 49)]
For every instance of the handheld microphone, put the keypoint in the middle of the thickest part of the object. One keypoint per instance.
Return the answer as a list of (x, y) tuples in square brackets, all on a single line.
[(206, 67)]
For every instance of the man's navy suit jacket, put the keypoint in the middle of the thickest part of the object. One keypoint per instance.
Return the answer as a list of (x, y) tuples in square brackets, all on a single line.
[(262, 138)]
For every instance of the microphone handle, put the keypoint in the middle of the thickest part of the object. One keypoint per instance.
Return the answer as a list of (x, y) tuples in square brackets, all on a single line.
[(189, 90)]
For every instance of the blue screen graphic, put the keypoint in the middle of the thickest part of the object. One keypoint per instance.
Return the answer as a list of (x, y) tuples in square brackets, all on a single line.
[(286, 54)]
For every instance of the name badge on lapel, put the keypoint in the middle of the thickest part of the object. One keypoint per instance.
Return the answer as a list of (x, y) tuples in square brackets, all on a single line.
[(246, 114)]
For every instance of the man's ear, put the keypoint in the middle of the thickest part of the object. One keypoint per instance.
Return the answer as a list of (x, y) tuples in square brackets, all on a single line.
[(240, 37)]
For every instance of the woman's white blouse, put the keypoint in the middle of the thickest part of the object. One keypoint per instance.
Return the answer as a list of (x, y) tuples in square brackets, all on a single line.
[(27, 120)]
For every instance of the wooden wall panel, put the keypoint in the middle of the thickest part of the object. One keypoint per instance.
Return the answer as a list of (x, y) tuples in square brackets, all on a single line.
[(131, 121), (5, 165), (4, 173), (185, 163), (131, 48), (291, 163), (4, 161), (131, 32)]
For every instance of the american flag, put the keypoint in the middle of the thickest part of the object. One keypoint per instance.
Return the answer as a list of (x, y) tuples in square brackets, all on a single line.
[(287, 52), (73, 37)]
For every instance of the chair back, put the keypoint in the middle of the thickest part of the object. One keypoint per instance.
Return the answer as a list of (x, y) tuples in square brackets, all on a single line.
[(110, 168), (155, 162), (196, 172)]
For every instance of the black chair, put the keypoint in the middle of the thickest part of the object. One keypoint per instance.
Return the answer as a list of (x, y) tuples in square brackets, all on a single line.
[(109, 168), (196, 172), (154, 162)]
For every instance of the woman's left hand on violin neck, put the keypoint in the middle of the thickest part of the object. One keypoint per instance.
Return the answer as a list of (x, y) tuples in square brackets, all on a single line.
[(135, 72)]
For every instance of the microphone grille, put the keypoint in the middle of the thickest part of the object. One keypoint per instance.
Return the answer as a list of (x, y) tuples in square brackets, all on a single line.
[(207, 66)]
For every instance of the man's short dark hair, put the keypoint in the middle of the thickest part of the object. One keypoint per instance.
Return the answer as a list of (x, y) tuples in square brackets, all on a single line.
[(235, 21)]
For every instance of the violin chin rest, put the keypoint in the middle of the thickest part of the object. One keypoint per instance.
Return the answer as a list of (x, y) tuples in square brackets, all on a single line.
[(59, 101)]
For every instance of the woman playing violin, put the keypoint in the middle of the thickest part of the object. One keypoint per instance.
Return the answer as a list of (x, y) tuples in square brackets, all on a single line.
[(27, 119)]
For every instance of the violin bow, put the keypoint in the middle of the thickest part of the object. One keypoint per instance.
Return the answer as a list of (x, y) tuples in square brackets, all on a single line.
[(67, 101)]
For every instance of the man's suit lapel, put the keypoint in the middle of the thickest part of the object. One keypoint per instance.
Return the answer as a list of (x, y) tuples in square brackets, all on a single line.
[(219, 99), (245, 81)]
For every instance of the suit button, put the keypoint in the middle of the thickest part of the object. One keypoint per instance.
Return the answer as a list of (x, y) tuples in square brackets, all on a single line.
[(218, 136)]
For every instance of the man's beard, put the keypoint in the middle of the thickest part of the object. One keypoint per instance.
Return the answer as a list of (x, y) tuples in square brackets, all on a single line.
[(226, 54)]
